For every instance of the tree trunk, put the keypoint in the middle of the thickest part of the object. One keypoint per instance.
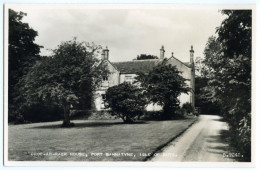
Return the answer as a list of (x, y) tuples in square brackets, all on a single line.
[(168, 112), (66, 120), (128, 120)]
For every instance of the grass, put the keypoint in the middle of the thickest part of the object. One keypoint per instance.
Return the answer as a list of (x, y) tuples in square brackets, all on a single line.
[(125, 142)]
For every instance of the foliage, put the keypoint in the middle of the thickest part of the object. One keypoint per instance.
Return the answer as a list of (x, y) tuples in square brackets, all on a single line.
[(152, 115), (22, 54), (126, 101), (227, 72), (180, 113), (145, 57), (80, 114), (188, 107), (42, 112), (67, 77), (204, 97), (163, 85), (206, 105)]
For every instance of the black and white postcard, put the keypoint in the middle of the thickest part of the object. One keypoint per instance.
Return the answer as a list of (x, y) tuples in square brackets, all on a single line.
[(129, 85)]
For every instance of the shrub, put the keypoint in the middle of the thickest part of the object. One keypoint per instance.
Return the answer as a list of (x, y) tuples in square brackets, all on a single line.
[(240, 134), (152, 115), (180, 113), (16, 118), (37, 113), (125, 101), (78, 114), (101, 115), (187, 107)]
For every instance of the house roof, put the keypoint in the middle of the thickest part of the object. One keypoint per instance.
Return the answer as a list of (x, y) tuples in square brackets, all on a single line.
[(185, 63), (136, 66), (188, 64)]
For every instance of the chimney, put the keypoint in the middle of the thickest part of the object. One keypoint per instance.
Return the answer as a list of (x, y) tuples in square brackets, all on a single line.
[(162, 53), (191, 55), (105, 54)]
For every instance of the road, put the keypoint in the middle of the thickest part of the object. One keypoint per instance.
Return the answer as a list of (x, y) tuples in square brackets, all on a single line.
[(203, 142)]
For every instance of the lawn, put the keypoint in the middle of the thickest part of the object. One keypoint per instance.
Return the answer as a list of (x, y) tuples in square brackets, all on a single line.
[(91, 140)]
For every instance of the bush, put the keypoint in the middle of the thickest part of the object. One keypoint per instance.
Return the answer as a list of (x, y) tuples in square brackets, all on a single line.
[(180, 113), (125, 101), (37, 113), (240, 134), (152, 115), (101, 115), (80, 114), (16, 118), (187, 107), (245, 137)]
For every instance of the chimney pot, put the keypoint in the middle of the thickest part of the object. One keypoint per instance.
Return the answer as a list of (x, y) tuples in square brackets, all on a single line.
[(162, 52), (191, 55), (106, 53)]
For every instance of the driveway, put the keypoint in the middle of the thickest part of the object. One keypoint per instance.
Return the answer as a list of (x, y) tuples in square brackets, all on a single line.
[(203, 142)]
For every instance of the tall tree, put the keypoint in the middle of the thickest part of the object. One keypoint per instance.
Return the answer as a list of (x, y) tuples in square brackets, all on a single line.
[(22, 54), (227, 65), (163, 85), (204, 94), (235, 33), (72, 73)]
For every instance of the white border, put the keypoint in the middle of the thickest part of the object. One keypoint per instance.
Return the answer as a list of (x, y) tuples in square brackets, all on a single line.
[(131, 164)]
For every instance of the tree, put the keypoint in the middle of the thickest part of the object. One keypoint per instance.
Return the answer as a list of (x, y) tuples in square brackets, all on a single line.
[(145, 57), (228, 66), (60, 78), (126, 101), (235, 33), (206, 91), (228, 59), (22, 54), (163, 85)]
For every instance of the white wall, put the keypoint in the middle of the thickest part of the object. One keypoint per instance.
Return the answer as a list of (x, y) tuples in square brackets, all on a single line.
[(184, 98), (186, 71), (153, 107), (98, 100)]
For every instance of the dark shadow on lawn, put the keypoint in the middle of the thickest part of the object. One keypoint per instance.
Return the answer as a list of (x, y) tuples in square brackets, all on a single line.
[(87, 124)]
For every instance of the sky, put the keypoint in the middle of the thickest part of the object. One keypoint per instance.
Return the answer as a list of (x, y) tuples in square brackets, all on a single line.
[(127, 32)]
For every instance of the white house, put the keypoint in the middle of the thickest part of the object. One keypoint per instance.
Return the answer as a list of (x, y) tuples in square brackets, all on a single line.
[(127, 71)]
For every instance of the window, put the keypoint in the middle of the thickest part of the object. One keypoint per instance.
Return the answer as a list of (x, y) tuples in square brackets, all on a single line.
[(103, 96), (105, 78), (129, 79), (103, 101), (104, 81)]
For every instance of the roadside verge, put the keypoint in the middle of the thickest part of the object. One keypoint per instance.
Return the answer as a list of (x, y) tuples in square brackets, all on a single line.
[(159, 148)]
